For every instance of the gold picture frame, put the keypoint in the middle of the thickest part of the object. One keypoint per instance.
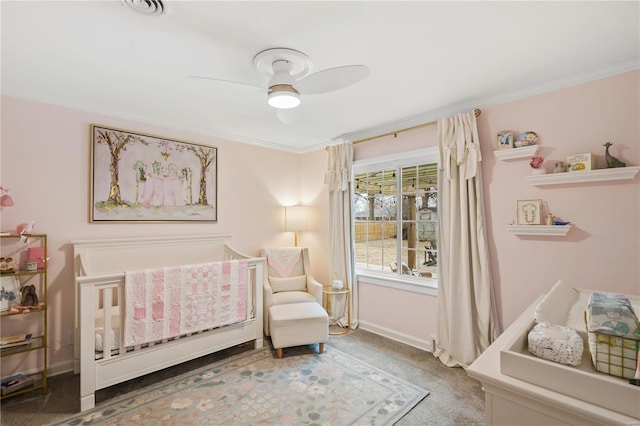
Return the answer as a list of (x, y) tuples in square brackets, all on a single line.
[(137, 177), (529, 212)]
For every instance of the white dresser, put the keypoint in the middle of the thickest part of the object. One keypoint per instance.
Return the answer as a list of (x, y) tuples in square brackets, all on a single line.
[(521, 389)]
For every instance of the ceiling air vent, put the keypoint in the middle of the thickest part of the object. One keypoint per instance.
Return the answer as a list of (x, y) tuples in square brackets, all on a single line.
[(147, 7)]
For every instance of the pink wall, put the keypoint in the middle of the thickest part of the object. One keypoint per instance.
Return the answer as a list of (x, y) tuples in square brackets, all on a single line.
[(601, 251), (45, 164)]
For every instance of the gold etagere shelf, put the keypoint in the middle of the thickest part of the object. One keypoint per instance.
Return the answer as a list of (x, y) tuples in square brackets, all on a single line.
[(39, 342)]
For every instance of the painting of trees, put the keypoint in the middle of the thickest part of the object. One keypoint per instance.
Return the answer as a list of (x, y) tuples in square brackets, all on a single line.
[(139, 177), (117, 142), (206, 156)]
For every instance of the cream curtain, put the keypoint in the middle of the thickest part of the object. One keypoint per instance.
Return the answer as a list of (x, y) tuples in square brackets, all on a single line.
[(466, 323), (338, 177)]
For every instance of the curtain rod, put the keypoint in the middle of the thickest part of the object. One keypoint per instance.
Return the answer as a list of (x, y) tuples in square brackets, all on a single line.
[(476, 112)]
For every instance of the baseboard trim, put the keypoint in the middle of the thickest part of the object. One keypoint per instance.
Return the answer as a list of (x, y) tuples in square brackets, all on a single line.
[(60, 368), (53, 369), (425, 345)]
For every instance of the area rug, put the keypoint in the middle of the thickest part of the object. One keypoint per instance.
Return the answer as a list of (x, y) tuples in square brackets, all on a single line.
[(255, 387)]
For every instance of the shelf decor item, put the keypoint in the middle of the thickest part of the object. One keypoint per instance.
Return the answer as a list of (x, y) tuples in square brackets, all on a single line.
[(10, 292), (36, 255), (529, 212), (505, 140), (13, 341), (580, 162), (536, 165), (612, 161), (15, 383), (560, 167), (526, 139)]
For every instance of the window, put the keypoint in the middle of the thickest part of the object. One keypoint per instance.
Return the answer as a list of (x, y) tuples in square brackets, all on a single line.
[(396, 216)]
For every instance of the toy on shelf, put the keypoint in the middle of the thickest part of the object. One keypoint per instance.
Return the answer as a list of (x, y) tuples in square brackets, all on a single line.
[(612, 162)]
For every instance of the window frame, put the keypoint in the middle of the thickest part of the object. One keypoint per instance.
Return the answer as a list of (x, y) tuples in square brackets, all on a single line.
[(422, 285)]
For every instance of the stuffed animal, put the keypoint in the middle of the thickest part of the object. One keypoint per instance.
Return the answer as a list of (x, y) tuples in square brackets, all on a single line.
[(29, 296)]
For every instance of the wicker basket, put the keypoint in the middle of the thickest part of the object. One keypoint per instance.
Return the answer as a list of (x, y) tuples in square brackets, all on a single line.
[(613, 355)]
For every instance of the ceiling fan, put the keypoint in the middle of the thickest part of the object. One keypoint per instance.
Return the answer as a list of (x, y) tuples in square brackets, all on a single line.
[(289, 73)]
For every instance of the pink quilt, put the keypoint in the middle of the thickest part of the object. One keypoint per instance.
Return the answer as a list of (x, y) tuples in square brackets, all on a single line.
[(166, 302)]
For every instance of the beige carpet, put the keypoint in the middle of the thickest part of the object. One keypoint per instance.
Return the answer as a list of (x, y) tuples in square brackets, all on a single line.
[(454, 399)]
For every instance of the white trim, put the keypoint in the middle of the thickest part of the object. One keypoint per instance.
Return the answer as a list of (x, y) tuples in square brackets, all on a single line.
[(426, 286), (598, 175), (546, 230), (60, 368), (425, 345), (516, 153), (401, 159)]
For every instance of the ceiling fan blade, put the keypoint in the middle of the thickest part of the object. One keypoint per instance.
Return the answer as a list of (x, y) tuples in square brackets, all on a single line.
[(288, 116), (226, 81), (331, 79)]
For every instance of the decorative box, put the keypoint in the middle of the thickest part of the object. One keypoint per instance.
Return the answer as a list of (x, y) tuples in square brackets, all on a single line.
[(580, 162), (36, 254)]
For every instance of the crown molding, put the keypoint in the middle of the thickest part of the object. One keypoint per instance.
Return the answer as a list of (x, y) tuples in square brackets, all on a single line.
[(428, 117)]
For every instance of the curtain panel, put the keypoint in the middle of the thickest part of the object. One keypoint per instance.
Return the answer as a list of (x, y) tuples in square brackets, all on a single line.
[(466, 323), (341, 262)]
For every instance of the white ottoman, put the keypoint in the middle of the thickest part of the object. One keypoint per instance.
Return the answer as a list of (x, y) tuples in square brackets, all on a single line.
[(297, 324)]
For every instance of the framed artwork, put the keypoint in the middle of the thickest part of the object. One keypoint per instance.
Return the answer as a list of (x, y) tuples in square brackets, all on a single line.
[(529, 212), (10, 292), (143, 178), (505, 140)]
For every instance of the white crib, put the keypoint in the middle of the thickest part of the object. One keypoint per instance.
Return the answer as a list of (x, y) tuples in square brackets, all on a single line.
[(100, 267)]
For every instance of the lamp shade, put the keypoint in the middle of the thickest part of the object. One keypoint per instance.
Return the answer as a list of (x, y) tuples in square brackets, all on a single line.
[(295, 218)]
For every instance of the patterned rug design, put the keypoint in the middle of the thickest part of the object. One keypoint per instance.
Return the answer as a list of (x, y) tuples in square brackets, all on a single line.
[(255, 387)]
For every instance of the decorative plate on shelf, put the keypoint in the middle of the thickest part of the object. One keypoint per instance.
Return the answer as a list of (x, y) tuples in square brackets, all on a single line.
[(526, 139)]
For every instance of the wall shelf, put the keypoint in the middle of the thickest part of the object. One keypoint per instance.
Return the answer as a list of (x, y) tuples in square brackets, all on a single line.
[(541, 230), (619, 173), (515, 153)]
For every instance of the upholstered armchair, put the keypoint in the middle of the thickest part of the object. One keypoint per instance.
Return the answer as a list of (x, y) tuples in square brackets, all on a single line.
[(288, 279)]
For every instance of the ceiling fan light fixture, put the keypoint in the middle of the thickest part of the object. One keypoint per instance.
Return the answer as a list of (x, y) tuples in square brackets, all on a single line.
[(283, 96)]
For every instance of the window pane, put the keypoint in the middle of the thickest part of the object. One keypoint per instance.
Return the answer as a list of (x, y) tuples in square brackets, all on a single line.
[(396, 212)]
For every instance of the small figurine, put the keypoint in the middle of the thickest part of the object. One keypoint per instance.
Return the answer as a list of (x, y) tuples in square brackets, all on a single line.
[(7, 265), (29, 297), (612, 162), (560, 167)]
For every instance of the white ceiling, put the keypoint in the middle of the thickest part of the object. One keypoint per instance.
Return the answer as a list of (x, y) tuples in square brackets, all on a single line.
[(427, 59)]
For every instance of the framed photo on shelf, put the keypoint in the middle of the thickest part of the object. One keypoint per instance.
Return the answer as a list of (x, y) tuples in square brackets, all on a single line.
[(505, 140), (529, 212), (137, 177), (10, 292)]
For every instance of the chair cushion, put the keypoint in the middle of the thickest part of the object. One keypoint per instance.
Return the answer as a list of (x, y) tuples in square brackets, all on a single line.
[(298, 283), (288, 297), (295, 314)]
